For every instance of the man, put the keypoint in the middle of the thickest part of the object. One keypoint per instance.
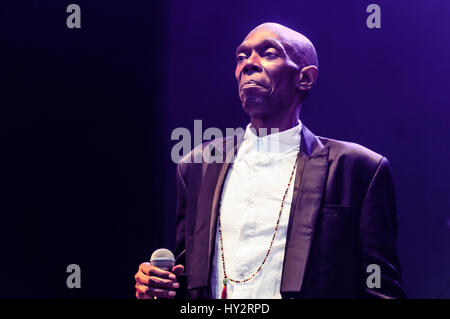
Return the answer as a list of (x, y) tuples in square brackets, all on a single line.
[(294, 215)]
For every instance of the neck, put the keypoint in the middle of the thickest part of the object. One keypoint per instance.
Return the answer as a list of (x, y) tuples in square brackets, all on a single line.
[(274, 123)]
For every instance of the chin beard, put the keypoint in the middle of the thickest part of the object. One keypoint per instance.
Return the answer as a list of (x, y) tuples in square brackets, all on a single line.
[(253, 101)]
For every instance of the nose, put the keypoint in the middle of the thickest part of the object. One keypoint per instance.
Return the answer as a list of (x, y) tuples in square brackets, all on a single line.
[(252, 64)]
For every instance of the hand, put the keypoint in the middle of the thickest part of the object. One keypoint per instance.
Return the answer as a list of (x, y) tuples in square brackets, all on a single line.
[(152, 281)]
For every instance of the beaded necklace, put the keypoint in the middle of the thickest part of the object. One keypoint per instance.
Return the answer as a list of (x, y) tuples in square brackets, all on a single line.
[(227, 278)]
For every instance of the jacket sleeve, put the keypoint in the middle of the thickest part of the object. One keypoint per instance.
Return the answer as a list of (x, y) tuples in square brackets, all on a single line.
[(180, 248), (378, 236)]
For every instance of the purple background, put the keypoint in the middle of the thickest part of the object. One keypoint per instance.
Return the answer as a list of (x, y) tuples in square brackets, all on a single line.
[(386, 89), (86, 117)]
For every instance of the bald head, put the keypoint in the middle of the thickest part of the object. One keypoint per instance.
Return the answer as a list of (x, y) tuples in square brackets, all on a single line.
[(276, 67), (298, 47)]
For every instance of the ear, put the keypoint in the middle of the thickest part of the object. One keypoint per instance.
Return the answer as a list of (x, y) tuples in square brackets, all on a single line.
[(308, 77)]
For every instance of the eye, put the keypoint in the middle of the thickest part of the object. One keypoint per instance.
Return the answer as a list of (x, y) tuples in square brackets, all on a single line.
[(241, 57), (271, 54)]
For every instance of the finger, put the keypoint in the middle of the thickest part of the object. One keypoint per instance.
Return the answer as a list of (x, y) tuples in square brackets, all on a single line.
[(142, 278), (142, 289), (140, 295), (161, 293), (145, 292), (149, 269), (158, 272), (157, 282), (145, 268), (178, 269)]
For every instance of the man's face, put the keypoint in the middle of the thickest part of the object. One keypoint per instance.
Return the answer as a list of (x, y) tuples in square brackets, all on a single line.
[(265, 74)]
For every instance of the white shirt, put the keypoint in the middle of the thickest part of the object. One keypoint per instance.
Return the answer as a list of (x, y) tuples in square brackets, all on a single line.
[(250, 204)]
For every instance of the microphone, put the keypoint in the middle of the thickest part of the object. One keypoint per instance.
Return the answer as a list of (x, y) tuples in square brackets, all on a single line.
[(163, 258)]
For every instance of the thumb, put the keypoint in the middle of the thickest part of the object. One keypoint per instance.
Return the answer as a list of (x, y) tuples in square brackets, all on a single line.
[(178, 269)]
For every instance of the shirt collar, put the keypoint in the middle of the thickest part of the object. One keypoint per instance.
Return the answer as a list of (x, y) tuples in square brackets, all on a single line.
[(279, 142)]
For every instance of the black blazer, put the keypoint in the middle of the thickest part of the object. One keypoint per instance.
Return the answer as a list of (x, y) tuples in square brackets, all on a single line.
[(342, 219)]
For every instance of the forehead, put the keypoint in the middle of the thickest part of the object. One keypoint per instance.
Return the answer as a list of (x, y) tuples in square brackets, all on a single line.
[(260, 37)]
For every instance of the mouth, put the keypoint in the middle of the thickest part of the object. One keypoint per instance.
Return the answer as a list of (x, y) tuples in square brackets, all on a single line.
[(251, 83)]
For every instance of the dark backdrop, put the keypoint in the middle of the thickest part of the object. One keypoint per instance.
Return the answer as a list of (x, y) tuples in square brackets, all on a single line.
[(86, 117), (81, 146)]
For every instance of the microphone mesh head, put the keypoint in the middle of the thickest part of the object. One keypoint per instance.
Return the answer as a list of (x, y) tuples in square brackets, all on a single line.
[(163, 258), (162, 253)]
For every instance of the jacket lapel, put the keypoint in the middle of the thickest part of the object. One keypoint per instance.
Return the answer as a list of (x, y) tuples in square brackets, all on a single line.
[(309, 186), (207, 208), (312, 168)]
